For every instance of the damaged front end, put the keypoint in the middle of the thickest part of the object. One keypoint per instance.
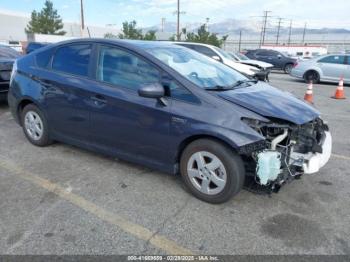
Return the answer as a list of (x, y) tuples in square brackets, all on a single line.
[(289, 151)]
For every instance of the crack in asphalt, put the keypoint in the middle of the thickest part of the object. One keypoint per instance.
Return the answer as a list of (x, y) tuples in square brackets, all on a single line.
[(166, 220)]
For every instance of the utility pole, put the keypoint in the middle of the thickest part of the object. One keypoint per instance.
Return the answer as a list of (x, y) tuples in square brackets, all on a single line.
[(304, 32), (263, 29), (290, 32), (178, 21), (207, 23), (178, 13), (82, 17), (163, 24), (240, 41), (278, 29)]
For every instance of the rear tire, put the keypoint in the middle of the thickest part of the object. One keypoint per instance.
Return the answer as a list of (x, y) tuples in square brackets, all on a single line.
[(212, 171), (35, 126), (288, 68), (312, 76)]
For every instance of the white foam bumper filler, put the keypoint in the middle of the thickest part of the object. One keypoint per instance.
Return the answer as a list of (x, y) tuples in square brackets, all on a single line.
[(315, 161)]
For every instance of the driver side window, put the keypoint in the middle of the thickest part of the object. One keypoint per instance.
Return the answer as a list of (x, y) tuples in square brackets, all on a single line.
[(121, 68)]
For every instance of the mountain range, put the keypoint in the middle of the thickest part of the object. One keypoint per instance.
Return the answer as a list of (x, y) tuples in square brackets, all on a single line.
[(253, 27)]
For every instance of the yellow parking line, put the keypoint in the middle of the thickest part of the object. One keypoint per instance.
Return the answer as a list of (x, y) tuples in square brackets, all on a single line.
[(341, 156), (169, 246)]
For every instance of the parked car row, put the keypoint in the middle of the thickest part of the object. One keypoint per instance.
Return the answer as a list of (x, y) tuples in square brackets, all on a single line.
[(225, 58), (279, 60), (7, 57), (170, 108)]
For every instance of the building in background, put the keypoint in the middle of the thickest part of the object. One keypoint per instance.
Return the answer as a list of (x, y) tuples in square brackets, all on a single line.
[(12, 28)]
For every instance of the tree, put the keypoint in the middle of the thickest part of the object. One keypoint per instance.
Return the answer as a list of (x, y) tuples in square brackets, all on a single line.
[(205, 37), (110, 36), (130, 31), (150, 35), (47, 21)]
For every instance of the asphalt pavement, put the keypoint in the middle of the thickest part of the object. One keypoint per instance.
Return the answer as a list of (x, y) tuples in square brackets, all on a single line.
[(64, 200)]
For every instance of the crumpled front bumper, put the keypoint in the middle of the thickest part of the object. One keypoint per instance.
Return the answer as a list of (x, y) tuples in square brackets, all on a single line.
[(313, 162)]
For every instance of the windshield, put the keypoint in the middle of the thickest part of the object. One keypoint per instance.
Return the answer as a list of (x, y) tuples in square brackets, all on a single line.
[(222, 52), (199, 69), (241, 56), (8, 52)]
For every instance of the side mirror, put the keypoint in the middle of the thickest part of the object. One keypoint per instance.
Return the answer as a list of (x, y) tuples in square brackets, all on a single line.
[(154, 90), (217, 58), (279, 56)]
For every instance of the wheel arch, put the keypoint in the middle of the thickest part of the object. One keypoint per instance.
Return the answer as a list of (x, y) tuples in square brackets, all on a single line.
[(312, 70), (22, 104), (193, 138)]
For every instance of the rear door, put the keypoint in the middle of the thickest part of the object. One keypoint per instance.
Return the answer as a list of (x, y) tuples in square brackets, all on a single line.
[(67, 91), (333, 67), (122, 122)]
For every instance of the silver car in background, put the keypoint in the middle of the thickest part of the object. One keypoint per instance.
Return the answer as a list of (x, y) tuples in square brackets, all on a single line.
[(326, 68)]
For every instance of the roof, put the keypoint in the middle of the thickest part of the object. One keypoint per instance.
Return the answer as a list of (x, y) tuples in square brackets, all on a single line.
[(122, 42)]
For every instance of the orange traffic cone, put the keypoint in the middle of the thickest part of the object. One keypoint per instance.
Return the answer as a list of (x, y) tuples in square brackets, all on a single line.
[(308, 95), (339, 93)]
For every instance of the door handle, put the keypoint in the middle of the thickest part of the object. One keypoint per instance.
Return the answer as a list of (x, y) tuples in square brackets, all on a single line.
[(99, 100)]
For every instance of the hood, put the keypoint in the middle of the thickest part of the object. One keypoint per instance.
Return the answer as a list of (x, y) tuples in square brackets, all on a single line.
[(268, 101), (246, 69), (256, 62)]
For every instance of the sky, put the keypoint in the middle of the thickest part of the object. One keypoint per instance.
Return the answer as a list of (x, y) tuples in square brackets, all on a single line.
[(316, 13)]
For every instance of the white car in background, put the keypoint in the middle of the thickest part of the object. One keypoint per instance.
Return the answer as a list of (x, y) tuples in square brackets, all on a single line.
[(326, 68), (225, 58), (241, 58), (16, 45)]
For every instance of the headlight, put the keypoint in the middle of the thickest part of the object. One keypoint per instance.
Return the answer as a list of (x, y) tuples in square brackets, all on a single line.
[(255, 70), (253, 123), (14, 69)]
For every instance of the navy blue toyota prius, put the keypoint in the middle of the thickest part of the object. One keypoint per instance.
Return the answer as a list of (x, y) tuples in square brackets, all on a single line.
[(169, 108)]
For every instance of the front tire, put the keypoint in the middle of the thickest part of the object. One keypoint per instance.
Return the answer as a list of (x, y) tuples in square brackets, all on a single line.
[(35, 126), (212, 171)]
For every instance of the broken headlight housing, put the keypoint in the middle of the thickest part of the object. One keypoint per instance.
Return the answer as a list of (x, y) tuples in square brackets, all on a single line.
[(253, 123)]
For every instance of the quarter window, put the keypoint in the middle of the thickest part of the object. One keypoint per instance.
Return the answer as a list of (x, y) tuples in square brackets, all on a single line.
[(121, 68), (176, 91), (333, 59), (72, 59)]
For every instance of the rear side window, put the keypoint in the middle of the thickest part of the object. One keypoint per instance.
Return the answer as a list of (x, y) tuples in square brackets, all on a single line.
[(43, 59), (72, 59), (124, 69), (333, 59), (205, 51)]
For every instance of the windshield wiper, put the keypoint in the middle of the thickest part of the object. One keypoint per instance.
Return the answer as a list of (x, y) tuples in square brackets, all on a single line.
[(241, 82), (219, 88), (225, 88)]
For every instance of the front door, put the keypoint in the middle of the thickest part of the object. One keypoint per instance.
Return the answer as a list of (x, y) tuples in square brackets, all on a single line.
[(121, 120)]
